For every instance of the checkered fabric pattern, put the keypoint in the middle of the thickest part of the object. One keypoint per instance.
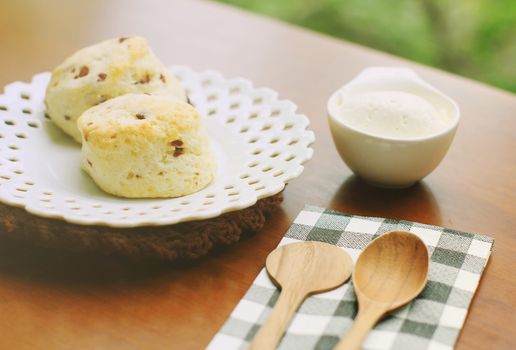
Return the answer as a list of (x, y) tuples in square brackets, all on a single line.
[(432, 321)]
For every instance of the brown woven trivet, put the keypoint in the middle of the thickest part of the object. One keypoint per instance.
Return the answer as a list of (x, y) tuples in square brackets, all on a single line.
[(187, 240)]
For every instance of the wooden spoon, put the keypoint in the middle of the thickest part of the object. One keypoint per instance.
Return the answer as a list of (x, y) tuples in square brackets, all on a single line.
[(391, 271), (300, 269)]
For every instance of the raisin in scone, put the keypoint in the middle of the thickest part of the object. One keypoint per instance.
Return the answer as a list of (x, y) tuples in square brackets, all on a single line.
[(143, 146), (97, 73)]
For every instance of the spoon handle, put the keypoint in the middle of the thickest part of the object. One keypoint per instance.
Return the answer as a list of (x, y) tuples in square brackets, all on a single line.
[(269, 335), (364, 322)]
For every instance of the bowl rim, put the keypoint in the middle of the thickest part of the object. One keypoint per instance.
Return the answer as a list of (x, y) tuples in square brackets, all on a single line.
[(449, 129)]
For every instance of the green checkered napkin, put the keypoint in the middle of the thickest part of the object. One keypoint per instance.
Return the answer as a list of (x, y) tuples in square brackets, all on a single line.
[(432, 321)]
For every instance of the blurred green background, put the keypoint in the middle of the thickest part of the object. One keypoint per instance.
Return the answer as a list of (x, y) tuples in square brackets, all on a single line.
[(473, 38)]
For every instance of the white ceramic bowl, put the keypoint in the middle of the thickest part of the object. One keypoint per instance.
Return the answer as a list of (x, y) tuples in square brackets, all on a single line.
[(387, 161)]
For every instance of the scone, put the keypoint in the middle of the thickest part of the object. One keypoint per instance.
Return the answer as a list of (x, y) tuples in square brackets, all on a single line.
[(143, 146), (97, 73)]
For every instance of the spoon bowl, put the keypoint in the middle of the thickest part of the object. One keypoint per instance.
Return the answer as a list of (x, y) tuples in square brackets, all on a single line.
[(391, 271), (310, 267)]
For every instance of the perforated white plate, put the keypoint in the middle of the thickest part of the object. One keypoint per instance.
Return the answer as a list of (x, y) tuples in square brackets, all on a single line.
[(260, 143)]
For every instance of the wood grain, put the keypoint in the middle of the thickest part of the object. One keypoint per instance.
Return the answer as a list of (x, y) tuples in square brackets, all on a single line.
[(55, 300), (391, 271), (299, 269)]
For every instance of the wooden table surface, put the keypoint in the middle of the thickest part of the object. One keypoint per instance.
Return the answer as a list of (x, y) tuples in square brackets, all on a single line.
[(57, 300)]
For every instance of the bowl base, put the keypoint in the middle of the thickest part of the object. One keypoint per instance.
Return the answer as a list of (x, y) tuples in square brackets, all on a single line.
[(389, 186)]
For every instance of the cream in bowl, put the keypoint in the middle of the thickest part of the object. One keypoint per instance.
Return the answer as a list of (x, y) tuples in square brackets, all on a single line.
[(391, 127)]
